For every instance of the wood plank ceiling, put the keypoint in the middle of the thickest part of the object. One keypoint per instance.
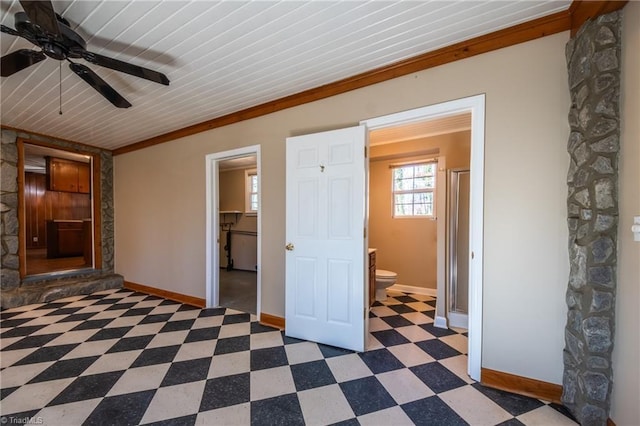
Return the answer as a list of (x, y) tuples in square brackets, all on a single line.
[(227, 56)]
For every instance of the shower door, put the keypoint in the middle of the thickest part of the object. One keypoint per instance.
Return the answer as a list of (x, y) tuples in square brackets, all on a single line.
[(458, 285)]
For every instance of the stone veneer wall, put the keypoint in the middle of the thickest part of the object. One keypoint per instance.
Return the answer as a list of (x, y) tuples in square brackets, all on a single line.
[(593, 58), (14, 290)]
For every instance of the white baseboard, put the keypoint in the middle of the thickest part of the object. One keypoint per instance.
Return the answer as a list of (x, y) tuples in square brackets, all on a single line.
[(440, 322), (415, 290), (458, 320)]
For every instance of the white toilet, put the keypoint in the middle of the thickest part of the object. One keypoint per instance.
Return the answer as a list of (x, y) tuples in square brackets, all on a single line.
[(384, 279)]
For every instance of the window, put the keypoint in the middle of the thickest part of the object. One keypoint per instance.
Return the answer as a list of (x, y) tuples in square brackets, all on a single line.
[(413, 189), (251, 190)]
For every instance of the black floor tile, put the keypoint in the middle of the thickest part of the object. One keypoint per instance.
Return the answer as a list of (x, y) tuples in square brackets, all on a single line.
[(350, 422), (406, 299), (137, 312), (10, 323), (332, 351), (178, 421), (212, 312), (268, 358), (177, 325), (21, 331), (131, 344), (396, 321), (401, 309), (110, 333), (232, 344), (32, 341), (431, 303), (313, 374), (511, 422), (47, 353), (281, 410), (64, 311), (437, 349), (155, 318), (511, 402), (200, 334), (5, 392), (125, 409), (432, 411), (256, 327), (23, 418), (64, 369), (91, 324), (437, 377), (187, 371), (290, 340), (381, 361), (185, 307), (437, 331), (563, 410), (225, 391), (121, 306), (168, 302), (366, 395), (88, 387), (79, 317), (155, 356), (390, 337), (236, 318)]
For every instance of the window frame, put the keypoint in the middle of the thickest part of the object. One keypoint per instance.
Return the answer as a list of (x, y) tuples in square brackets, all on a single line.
[(432, 190), (248, 174)]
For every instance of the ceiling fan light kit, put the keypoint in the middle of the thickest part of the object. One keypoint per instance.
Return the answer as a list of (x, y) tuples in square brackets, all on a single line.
[(40, 25)]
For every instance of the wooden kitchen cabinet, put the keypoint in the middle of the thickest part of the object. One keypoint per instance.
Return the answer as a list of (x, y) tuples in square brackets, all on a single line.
[(68, 176), (64, 238)]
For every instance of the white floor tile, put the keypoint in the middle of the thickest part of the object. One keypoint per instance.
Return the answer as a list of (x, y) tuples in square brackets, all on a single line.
[(459, 365), (145, 329), (195, 350), (33, 396), (206, 322), (61, 327), (415, 333), (140, 379), (174, 401), (404, 386), (19, 375), (234, 330), (418, 318), (69, 337), (266, 340), (303, 352), (474, 407), (169, 338), (112, 362), (125, 321), (410, 355), (324, 405), (97, 347), (229, 364), (228, 416), (391, 416), (545, 416), (271, 382), (74, 413), (8, 358), (378, 324), (457, 342), (185, 315), (348, 367)]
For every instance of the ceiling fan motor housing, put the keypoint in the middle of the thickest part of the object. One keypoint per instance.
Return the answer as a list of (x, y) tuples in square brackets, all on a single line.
[(68, 44)]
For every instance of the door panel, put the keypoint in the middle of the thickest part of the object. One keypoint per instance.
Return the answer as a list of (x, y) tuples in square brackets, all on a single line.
[(325, 262)]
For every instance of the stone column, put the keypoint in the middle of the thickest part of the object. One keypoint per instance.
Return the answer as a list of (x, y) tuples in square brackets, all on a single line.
[(593, 58), (10, 275)]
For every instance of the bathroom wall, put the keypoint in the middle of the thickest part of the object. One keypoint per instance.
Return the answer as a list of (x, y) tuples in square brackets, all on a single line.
[(408, 246), (232, 197)]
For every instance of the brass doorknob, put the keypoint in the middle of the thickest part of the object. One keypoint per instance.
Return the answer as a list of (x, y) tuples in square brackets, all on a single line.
[(289, 247)]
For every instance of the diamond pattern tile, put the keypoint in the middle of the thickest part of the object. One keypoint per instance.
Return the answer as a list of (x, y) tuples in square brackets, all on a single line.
[(122, 357)]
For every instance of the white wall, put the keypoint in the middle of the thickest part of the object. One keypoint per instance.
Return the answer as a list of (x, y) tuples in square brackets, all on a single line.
[(625, 409), (160, 194)]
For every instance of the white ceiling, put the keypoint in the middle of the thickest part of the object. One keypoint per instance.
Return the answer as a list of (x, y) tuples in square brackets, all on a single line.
[(226, 56)]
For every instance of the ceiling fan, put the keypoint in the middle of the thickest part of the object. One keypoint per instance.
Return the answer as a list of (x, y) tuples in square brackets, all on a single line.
[(42, 26)]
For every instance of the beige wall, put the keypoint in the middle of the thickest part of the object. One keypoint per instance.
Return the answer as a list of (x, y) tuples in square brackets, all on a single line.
[(160, 194), (408, 246), (625, 409)]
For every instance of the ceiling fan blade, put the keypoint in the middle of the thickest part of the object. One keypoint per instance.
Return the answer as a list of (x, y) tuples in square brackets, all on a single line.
[(19, 60), (125, 67), (99, 84), (9, 30), (42, 14)]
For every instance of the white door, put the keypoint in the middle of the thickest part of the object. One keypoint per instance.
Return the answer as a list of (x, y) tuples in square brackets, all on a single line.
[(325, 238)]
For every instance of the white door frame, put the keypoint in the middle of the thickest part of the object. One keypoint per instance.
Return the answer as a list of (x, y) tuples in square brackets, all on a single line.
[(476, 106), (212, 235)]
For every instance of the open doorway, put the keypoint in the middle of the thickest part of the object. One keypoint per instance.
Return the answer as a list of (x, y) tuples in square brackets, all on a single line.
[(233, 230), (473, 109)]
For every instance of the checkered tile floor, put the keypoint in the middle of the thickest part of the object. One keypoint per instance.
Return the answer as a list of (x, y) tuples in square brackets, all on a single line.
[(126, 358)]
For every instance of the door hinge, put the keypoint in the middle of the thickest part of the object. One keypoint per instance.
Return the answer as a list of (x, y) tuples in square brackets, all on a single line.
[(365, 232), (365, 152)]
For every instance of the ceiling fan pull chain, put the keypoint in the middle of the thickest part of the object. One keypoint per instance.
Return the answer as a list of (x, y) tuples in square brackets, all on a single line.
[(60, 68)]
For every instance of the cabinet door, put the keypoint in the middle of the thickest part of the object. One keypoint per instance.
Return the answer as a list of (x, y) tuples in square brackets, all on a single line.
[(84, 178), (63, 175)]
